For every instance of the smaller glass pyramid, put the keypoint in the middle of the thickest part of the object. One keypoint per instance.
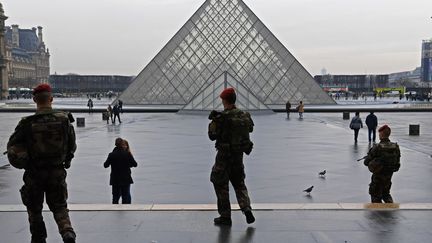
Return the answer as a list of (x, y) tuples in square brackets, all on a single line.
[(208, 98)]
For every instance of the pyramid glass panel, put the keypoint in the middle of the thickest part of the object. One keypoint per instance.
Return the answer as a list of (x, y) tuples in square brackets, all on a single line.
[(224, 38), (208, 97)]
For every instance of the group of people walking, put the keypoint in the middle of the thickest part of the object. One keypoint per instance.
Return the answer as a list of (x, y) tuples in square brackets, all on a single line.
[(44, 144), (299, 108), (114, 112), (371, 122)]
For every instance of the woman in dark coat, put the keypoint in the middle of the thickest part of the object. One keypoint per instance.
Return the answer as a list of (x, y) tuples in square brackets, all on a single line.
[(121, 160)]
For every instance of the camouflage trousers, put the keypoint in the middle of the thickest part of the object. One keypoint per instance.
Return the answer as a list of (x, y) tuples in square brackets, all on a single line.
[(229, 168), (50, 182), (379, 188)]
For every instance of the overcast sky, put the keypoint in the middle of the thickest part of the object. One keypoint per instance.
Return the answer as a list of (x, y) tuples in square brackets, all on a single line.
[(121, 37)]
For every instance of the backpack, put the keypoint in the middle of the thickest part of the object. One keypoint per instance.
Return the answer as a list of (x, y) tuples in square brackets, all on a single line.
[(238, 125), (48, 138), (355, 123), (389, 154)]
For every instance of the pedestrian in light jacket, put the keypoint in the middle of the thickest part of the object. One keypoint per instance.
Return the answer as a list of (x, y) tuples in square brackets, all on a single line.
[(356, 124)]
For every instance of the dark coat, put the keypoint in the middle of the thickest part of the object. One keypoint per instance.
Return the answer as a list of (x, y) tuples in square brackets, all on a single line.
[(371, 121), (116, 110), (288, 106), (120, 161)]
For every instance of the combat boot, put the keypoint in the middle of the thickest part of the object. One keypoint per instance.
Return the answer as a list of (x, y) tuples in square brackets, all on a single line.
[(376, 200), (222, 221), (69, 237), (388, 199), (249, 216)]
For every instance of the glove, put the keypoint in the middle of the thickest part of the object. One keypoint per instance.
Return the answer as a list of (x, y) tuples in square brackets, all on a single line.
[(213, 114), (67, 164)]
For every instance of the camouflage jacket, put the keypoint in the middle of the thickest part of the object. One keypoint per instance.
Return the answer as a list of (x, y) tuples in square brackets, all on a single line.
[(231, 137), (22, 136), (385, 153)]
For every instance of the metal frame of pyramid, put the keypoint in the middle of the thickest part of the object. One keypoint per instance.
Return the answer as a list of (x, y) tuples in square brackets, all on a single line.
[(223, 37)]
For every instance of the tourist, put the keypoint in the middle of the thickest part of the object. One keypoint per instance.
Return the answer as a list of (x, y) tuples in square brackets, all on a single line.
[(288, 109), (300, 109), (116, 112), (356, 124), (372, 124), (90, 105), (121, 160)]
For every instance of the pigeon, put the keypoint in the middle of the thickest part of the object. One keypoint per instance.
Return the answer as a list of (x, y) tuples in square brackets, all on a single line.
[(309, 189), (322, 173)]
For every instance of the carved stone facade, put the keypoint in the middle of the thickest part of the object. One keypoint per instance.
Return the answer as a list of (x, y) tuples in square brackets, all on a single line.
[(3, 57), (29, 58)]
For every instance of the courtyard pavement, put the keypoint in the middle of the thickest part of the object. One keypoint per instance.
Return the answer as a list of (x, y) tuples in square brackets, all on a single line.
[(297, 226), (175, 158)]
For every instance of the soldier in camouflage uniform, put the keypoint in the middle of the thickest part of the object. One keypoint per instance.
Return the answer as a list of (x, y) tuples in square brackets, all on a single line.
[(43, 145), (382, 160), (229, 165)]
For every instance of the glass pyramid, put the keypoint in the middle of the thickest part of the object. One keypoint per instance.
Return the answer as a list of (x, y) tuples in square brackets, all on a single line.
[(224, 39)]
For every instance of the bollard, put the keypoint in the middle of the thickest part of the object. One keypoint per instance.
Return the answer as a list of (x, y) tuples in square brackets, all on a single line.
[(414, 129), (80, 121), (104, 116), (346, 115)]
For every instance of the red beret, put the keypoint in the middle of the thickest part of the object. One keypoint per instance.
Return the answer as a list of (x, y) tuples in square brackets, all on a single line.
[(227, 93), (41, 88), (384, 127)]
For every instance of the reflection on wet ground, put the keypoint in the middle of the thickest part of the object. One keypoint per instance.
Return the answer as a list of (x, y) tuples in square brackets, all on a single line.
[(384, 225), (309, 226), (225, 236)]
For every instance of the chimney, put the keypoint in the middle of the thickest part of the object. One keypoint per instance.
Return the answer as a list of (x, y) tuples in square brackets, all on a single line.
[(15, 35), (40, 34)]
